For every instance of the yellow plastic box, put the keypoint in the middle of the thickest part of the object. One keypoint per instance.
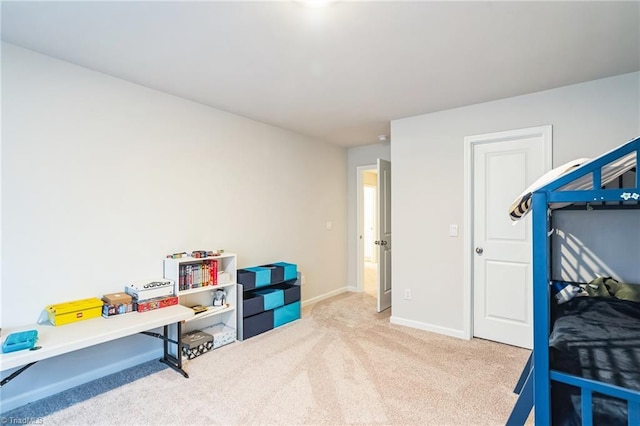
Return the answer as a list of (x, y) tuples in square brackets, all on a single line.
[(77, 310)]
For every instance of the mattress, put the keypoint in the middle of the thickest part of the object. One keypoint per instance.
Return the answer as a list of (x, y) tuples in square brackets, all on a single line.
[(596, 338), (522, 204)]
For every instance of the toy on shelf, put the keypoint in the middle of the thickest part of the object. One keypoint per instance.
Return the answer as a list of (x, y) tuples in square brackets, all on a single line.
[(196, 254), (219, 297), (177, 255)]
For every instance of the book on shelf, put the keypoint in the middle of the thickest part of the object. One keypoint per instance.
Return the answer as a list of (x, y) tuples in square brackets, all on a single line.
[(198, 275), (197, 309)]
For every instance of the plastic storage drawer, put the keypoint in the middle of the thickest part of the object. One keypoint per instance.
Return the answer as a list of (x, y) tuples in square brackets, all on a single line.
[(291, 292), (252, 304), (257, 324), (272, 297), (290, 270), (254, 277), (285, 314), (277, 273)]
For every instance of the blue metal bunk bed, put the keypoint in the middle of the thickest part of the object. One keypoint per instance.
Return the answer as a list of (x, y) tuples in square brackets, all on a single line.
[(539, 381)]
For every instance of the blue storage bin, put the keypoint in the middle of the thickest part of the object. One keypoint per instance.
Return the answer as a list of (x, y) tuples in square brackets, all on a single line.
[(277, 273), (272, 298), (257, 324), (252, 304), (286, 313), (254, 277), (291, 292), (290, 270), (246, 278)]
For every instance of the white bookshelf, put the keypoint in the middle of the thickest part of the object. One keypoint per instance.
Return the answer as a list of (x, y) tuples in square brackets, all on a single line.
[(215, 317)]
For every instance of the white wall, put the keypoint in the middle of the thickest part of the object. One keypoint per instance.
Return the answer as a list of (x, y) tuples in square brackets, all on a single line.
[(102, 178), (580, 255), (359, 156), (427, 150)]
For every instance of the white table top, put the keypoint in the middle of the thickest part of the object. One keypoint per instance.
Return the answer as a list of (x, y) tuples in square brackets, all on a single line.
[(57, 340)]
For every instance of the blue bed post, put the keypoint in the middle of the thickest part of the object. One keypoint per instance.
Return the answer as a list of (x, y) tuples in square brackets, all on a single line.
[(541, 266)]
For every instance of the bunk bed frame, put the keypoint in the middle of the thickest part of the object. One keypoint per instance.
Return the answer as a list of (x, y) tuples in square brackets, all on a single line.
[(537, 371)]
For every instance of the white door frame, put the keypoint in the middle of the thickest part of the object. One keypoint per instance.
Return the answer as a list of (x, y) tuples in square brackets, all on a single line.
[(469, 143), (360, 222)]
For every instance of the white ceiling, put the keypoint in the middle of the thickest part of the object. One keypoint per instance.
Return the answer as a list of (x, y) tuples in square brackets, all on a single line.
[(342, 72)]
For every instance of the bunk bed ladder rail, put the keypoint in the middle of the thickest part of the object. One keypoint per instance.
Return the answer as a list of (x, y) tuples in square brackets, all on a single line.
[(588, 386), (524, 388)]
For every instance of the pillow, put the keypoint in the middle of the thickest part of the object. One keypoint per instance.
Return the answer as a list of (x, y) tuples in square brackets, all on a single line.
[(624, 291), (522, 204)]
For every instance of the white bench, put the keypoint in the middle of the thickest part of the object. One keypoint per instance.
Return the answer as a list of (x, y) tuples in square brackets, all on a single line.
[(53, 341)]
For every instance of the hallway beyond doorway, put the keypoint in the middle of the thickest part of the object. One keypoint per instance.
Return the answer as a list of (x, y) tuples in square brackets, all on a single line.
[(370, 278)]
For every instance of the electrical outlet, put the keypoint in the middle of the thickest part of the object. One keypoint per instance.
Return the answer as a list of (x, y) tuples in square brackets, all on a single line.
[(407, 294), (302, 279)]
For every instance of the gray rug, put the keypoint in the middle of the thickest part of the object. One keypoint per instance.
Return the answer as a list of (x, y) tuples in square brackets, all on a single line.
[(51, 404)]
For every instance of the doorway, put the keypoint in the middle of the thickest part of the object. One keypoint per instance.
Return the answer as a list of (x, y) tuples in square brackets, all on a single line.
[(374, 240), (369, 233), (498, 275), (367, 182)]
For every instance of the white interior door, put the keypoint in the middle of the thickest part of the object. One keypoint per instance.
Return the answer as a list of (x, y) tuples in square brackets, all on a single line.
[(384, 235), (504, 164)]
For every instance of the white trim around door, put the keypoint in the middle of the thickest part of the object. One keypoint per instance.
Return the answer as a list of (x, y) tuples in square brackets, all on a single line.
[(469, 143)]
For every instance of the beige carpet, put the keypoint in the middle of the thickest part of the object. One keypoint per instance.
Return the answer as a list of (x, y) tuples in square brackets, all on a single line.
[(342, 363)]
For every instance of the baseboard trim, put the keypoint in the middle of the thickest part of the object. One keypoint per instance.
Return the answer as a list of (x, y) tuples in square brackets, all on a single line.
[(327, 295), (429, 327), (58, 386)]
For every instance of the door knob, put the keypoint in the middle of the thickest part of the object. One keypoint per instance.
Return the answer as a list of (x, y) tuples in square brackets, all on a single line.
[(479, 250), (383, 243)]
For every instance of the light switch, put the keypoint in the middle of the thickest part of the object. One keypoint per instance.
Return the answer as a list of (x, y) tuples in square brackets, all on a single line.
[(453, 230), (329, 225)]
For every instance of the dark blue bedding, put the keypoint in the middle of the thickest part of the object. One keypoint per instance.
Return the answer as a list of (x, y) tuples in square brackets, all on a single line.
[(596, 338)]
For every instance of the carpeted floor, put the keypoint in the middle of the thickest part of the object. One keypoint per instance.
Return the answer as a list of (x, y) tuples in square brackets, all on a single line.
[(342, 363)]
